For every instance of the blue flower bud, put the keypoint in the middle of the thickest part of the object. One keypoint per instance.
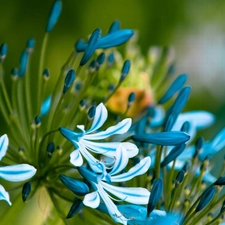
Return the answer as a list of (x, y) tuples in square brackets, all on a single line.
[(91, 112), (26, 190), (80, 45), (111, 58), (3, 51), (115, 38), (156, 192), (75, 208), (46, 105), (14, 73), (174, 153), (131, 97), (220, 181), (175, 86), (125, 70), (91, 46), (37, 121), (23, 63), (111, 87), (78, 86), (179, 178), (54, 15), (115, 26), (46, 74), (92, 67), (169, 122), (69, 80), (77, 187), (89, 175), (50, 149), (206, 198), (185, 127), (198, 146), (82, 103), (30, 45), (100, 60), (170, 138)]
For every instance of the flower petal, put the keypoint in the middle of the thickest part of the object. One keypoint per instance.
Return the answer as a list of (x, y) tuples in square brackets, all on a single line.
[(45, 107), (120, 128), (137, 170), (4, 195), (76, 158), (16, 173), (92, 200), (4, 142), (218, 141), (121, 160), (101, 115), (132, 195)]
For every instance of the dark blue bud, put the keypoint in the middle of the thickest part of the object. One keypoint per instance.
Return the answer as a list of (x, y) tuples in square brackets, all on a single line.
[(115, 26), (179, 178), (156, 192), (92, 66), (186, 167), (80, 45), (206, 198), (50, 149), (54, 15), (131, 97), (111, 59), (77, 187), (78, 86), (101, 59), (174, 153), (151, 112), (91, 46), (115, 38), (3, 51), (170, 138), (198, 146), (23, 63), (185, 127), (26, 190), (175, 86), (91, 112), (220, 181), (82, 103), (46, 74), (37, 121), (75, 208), (169, 122), (125, 70), (30, 44), (70, 77), (14, 73), (111, 87), (89, 175)]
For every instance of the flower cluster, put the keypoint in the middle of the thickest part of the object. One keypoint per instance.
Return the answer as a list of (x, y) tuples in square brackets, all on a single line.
[(78, 145)]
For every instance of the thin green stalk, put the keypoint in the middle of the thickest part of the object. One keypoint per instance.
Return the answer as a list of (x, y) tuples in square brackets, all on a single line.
[(158, 159)]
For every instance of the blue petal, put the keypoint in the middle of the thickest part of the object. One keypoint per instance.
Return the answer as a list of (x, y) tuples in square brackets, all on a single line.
[(16, 173), (54, 15), (120, 128), (45, 107), (170, 138), (218, 142), (115, 38), (169, 219), (137, 170), (101, 115), (23, 63), (4, 142), (121, 160), (132, 195), (89, 175), (76, 158), (4, 195), (92, 200), (115, 26), (175, 86), (158, 119)]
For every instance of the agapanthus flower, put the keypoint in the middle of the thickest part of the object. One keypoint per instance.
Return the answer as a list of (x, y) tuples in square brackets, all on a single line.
[(12, 173), (86, 141)]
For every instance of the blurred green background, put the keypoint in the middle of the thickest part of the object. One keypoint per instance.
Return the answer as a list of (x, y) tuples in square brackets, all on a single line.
[(194, 28)]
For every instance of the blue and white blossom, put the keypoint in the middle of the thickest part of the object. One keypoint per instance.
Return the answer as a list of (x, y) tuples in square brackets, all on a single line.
[(102, 185), (13, 173), (86, 141)]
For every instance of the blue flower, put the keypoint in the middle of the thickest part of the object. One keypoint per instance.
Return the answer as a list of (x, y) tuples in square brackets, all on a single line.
[(101, 186), (84, 141), (13, 173)]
